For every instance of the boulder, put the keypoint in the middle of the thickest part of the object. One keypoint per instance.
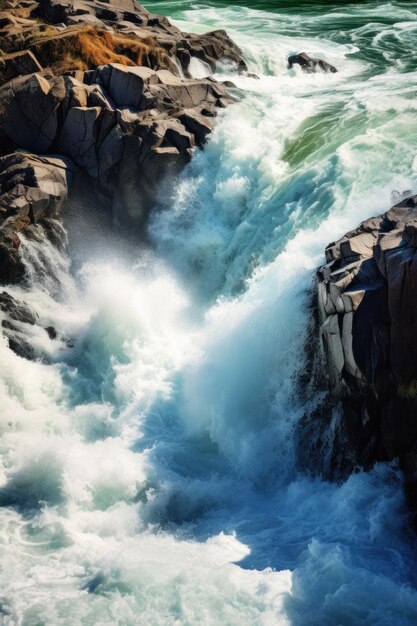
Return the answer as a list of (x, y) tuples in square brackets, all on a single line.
[(367, 300), (125, 85), (309, 64), (196, 123)]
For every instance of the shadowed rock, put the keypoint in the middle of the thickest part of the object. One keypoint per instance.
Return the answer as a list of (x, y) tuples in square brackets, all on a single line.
[(29, 110), (368, 315), (309, 64), (18, 64)]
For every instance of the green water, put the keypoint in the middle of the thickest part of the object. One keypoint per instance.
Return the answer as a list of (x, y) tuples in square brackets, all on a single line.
[(336, 21)]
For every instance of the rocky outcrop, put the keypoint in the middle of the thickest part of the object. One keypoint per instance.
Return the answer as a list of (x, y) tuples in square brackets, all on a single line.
[(43, 25), (106, 87), (309, 64), (130, 124), (130, 18), (367, 294), (130, 128), (32, 190)]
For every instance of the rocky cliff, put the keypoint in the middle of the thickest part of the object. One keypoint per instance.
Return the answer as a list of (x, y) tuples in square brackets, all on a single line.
[(102, 88), (367, 297)]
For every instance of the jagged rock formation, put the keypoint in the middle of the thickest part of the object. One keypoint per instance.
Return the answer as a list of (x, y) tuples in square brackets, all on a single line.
[(126, 118), (367, 296), (128, 127), (309, 64), (106, 88)]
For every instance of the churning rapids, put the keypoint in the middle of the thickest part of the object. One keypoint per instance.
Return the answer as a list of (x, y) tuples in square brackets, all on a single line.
[(148, 473)]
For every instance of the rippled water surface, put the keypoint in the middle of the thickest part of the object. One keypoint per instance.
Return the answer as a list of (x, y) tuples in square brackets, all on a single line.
[(148, 473)]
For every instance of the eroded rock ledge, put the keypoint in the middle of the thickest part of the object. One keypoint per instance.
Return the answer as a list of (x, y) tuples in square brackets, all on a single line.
[(367, 294)]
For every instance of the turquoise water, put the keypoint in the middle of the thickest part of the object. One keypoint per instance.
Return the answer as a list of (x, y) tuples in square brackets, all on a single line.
[(149, 474)]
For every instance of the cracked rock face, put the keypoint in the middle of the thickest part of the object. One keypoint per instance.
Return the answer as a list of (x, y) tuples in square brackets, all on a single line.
[(367, 294), (32, 190), (129, 128)]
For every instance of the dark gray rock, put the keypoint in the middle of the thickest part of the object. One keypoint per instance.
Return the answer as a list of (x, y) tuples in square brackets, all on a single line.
[(29, 110), (78, 137), (367, 297), (15, 310), (309, 64), (18, 64), (166, 115), (131, 129), (15, 316), (17, 322)]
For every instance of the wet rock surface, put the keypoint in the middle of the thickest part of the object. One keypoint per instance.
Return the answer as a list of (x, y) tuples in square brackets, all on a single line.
[(367, 300), (309, 64), (32, 191), (20, 325), (16, 316)]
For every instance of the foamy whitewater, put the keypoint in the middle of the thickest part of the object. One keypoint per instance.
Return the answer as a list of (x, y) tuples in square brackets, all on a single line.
[(148, 471)]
